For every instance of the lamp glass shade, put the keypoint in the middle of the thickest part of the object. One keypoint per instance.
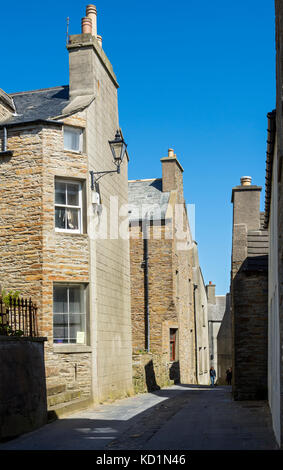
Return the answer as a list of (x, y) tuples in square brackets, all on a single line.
[(118, 148)]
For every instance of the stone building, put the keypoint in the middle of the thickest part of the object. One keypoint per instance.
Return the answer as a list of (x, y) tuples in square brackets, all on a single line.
[(50, 216), (224, 343), (202, 352), (162, 280), (216, 305), (274, 224), (249, 285)]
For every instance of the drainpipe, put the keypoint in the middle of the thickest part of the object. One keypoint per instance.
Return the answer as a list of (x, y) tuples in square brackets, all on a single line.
[(4, 144), (146, 293), (196, 344)]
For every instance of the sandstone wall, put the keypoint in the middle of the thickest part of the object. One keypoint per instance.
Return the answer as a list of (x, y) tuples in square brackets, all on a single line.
[(170, 300), (151, 372)]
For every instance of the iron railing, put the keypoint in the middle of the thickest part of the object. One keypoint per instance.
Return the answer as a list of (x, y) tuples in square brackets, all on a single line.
[(18, 317)]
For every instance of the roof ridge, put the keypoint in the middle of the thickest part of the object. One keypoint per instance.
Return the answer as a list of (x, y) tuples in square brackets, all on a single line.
[(39, 90), (145, 179)]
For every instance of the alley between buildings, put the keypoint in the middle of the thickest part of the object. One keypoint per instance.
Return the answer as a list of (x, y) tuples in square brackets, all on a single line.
[(184, 417)]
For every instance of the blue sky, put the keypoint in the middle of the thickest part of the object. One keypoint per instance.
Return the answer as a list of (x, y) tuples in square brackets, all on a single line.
[(198, 77)]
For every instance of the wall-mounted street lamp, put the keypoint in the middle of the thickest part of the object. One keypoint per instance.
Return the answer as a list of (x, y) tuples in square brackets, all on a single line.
[(118, 148)]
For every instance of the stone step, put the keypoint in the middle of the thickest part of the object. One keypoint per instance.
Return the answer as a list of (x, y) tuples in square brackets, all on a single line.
[(64, 409), (63, 397), (55, 388)]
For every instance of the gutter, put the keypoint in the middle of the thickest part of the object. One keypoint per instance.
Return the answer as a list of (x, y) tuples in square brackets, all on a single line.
[(28, 123), (4, 145), (269, 164)]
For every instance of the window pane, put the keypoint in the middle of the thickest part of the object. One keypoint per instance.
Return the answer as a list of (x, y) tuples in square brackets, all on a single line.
[(73, 219), (60, 328), (73, 194), (60, 193), (60, 217), (69, 316), (76, 300), (72, 139), (172, 335), (60, 299), (172, 352), (77, 324)]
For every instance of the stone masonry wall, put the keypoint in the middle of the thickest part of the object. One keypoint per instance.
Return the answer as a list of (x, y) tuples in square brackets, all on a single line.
[(23, 405), (21, 214), (65, 259), (250, 292), (224, 346), (151, 372), (249, 297), (161, 303), (170, 299), (33, 255)]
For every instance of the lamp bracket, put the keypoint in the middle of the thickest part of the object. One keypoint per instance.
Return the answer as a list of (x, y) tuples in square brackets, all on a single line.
[(100, 174)]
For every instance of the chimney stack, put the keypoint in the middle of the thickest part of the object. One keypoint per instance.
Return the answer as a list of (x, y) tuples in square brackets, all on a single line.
[(82, 48), (210, 292), (172, 172), (246, 201)]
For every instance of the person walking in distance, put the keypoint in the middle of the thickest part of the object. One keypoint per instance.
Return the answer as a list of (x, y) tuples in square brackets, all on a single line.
[(212, 374), (229, 376)]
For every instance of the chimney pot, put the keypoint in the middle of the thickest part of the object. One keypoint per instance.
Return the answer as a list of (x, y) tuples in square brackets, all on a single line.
[(246, 181), (170, 153), (86, 25), (92, 14)]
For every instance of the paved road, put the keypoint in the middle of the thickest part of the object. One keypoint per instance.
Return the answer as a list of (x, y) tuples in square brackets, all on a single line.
[(180, 417)]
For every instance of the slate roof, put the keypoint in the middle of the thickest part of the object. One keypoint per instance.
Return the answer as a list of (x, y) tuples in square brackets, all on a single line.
[(147, 195), (39, 104), (216, 311)]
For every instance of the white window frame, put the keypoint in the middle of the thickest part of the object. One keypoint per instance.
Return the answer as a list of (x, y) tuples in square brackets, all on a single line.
[(66, 206), (83, 290), (74, 130)]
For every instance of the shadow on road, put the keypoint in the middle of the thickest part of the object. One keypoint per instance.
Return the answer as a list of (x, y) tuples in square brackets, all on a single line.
[(136, 422)]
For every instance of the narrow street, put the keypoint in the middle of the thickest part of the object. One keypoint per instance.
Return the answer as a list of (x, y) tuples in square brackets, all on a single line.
[(182, 417)]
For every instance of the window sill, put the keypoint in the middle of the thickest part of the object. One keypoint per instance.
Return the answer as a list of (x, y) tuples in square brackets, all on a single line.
[(69, 232), (75, 152), (71, 348)]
